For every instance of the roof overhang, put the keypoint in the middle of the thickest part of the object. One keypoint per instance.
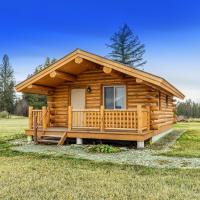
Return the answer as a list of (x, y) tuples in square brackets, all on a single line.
[(71, 63)]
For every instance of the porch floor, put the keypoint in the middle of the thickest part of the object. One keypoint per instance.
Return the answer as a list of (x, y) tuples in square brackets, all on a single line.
[(128, 135)]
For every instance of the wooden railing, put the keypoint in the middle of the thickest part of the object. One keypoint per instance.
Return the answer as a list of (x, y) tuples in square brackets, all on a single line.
[(104, 119), (120, 119), (89, 118), (38, 117)]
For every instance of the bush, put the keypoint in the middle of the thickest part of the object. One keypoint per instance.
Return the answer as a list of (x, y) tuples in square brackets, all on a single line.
[(4, 114), (104, 148)]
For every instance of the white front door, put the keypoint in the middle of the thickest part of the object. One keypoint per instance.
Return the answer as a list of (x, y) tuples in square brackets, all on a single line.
[(77, 103)]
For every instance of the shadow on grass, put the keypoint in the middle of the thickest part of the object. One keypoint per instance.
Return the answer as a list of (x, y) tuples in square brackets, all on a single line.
[(166, 141)]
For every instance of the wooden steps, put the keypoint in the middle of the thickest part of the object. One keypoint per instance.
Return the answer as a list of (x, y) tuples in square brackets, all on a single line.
[(48, 141), (53, 139)]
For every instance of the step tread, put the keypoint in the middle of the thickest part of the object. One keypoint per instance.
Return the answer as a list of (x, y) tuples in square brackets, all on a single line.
[(51, 136), (48, 141)]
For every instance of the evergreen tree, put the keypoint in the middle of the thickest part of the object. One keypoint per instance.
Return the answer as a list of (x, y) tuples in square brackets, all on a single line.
[(7, 92), (188, 109), (126, 47), (37, 100), (47, 62)]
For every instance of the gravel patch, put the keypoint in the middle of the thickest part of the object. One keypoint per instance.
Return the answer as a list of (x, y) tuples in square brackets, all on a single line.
[(146, 157)]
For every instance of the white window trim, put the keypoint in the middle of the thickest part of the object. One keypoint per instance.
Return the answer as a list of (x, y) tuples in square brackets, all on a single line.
[(114, 86)]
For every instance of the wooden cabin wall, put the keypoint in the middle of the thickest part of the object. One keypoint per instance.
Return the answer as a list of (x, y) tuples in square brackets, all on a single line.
[(58, 104), (140, 94), (164, 115), (136, 93)]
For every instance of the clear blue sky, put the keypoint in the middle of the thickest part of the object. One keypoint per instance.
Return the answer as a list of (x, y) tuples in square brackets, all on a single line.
[(170, 29)]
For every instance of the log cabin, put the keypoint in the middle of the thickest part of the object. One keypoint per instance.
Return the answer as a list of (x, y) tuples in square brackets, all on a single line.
[(92, 97)]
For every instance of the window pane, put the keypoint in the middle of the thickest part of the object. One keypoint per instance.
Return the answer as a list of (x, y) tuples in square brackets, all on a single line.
[(119, 98), (109, 97)]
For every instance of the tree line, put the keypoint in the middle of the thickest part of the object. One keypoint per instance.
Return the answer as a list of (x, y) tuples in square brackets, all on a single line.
[(189, 109), (125, 47), (10, 102)]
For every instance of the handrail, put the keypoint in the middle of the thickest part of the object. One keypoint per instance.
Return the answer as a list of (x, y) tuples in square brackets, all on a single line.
[(120, 110), (85, 110)]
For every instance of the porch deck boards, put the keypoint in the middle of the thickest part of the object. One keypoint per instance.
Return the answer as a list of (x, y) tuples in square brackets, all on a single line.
[(128, 135)]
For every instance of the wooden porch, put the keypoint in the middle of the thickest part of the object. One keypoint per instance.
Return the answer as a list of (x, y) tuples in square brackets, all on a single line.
[(126, 124)]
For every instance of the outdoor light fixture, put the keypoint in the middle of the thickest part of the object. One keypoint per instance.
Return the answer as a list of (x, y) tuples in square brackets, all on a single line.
[(89, 89)]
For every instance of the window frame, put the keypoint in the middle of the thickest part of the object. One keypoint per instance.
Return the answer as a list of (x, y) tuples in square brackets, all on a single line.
[(115, 86)]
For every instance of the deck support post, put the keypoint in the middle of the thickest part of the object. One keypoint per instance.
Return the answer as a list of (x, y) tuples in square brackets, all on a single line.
[(140, 144), (30, 117), (29, 138), (139, 118), (102, 118), (79, 141), (44, 117), (69, 118)]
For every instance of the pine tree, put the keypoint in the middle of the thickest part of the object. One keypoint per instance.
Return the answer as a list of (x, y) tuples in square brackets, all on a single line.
[(47, 62), (39, 68), (38, 100), (126, 47), (7, 92)]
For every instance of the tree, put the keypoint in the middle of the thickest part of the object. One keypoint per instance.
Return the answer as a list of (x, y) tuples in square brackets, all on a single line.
[(188, 109), (37, 100), (21, 107), (126, 47), (47, 62), (7, 82)]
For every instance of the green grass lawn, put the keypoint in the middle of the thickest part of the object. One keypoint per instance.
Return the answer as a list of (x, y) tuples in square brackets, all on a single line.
[(33, 176), (188, 126), (188, 145), (13, 126)]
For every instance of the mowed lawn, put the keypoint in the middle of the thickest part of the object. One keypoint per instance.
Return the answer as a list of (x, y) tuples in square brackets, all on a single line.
[(14, 125), (33, 176), (188, 145)]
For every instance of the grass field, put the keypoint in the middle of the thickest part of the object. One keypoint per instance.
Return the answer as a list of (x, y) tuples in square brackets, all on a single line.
[(33, 176), (13, 126), (188, 145)]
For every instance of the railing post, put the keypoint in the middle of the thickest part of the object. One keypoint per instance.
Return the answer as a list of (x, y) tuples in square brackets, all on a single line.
[(44, 117), (35, 127), (30, 117), (139, 118), (48, 117), (69, 118), (102, 118)]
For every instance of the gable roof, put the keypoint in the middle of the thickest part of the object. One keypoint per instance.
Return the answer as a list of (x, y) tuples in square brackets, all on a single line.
[(144, 76)]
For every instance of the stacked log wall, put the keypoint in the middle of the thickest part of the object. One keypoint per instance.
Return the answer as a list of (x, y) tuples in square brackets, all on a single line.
[(163, 114), (136, 93)]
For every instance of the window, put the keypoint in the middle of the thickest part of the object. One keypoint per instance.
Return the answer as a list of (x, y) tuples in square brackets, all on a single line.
[(114, 97)]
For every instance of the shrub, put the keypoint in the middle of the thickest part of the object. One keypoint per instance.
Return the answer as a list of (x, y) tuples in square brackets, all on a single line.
[(104, 148), (4, 114)]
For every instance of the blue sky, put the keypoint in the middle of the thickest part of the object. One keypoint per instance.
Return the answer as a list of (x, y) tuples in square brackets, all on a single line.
[(170, 29)]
